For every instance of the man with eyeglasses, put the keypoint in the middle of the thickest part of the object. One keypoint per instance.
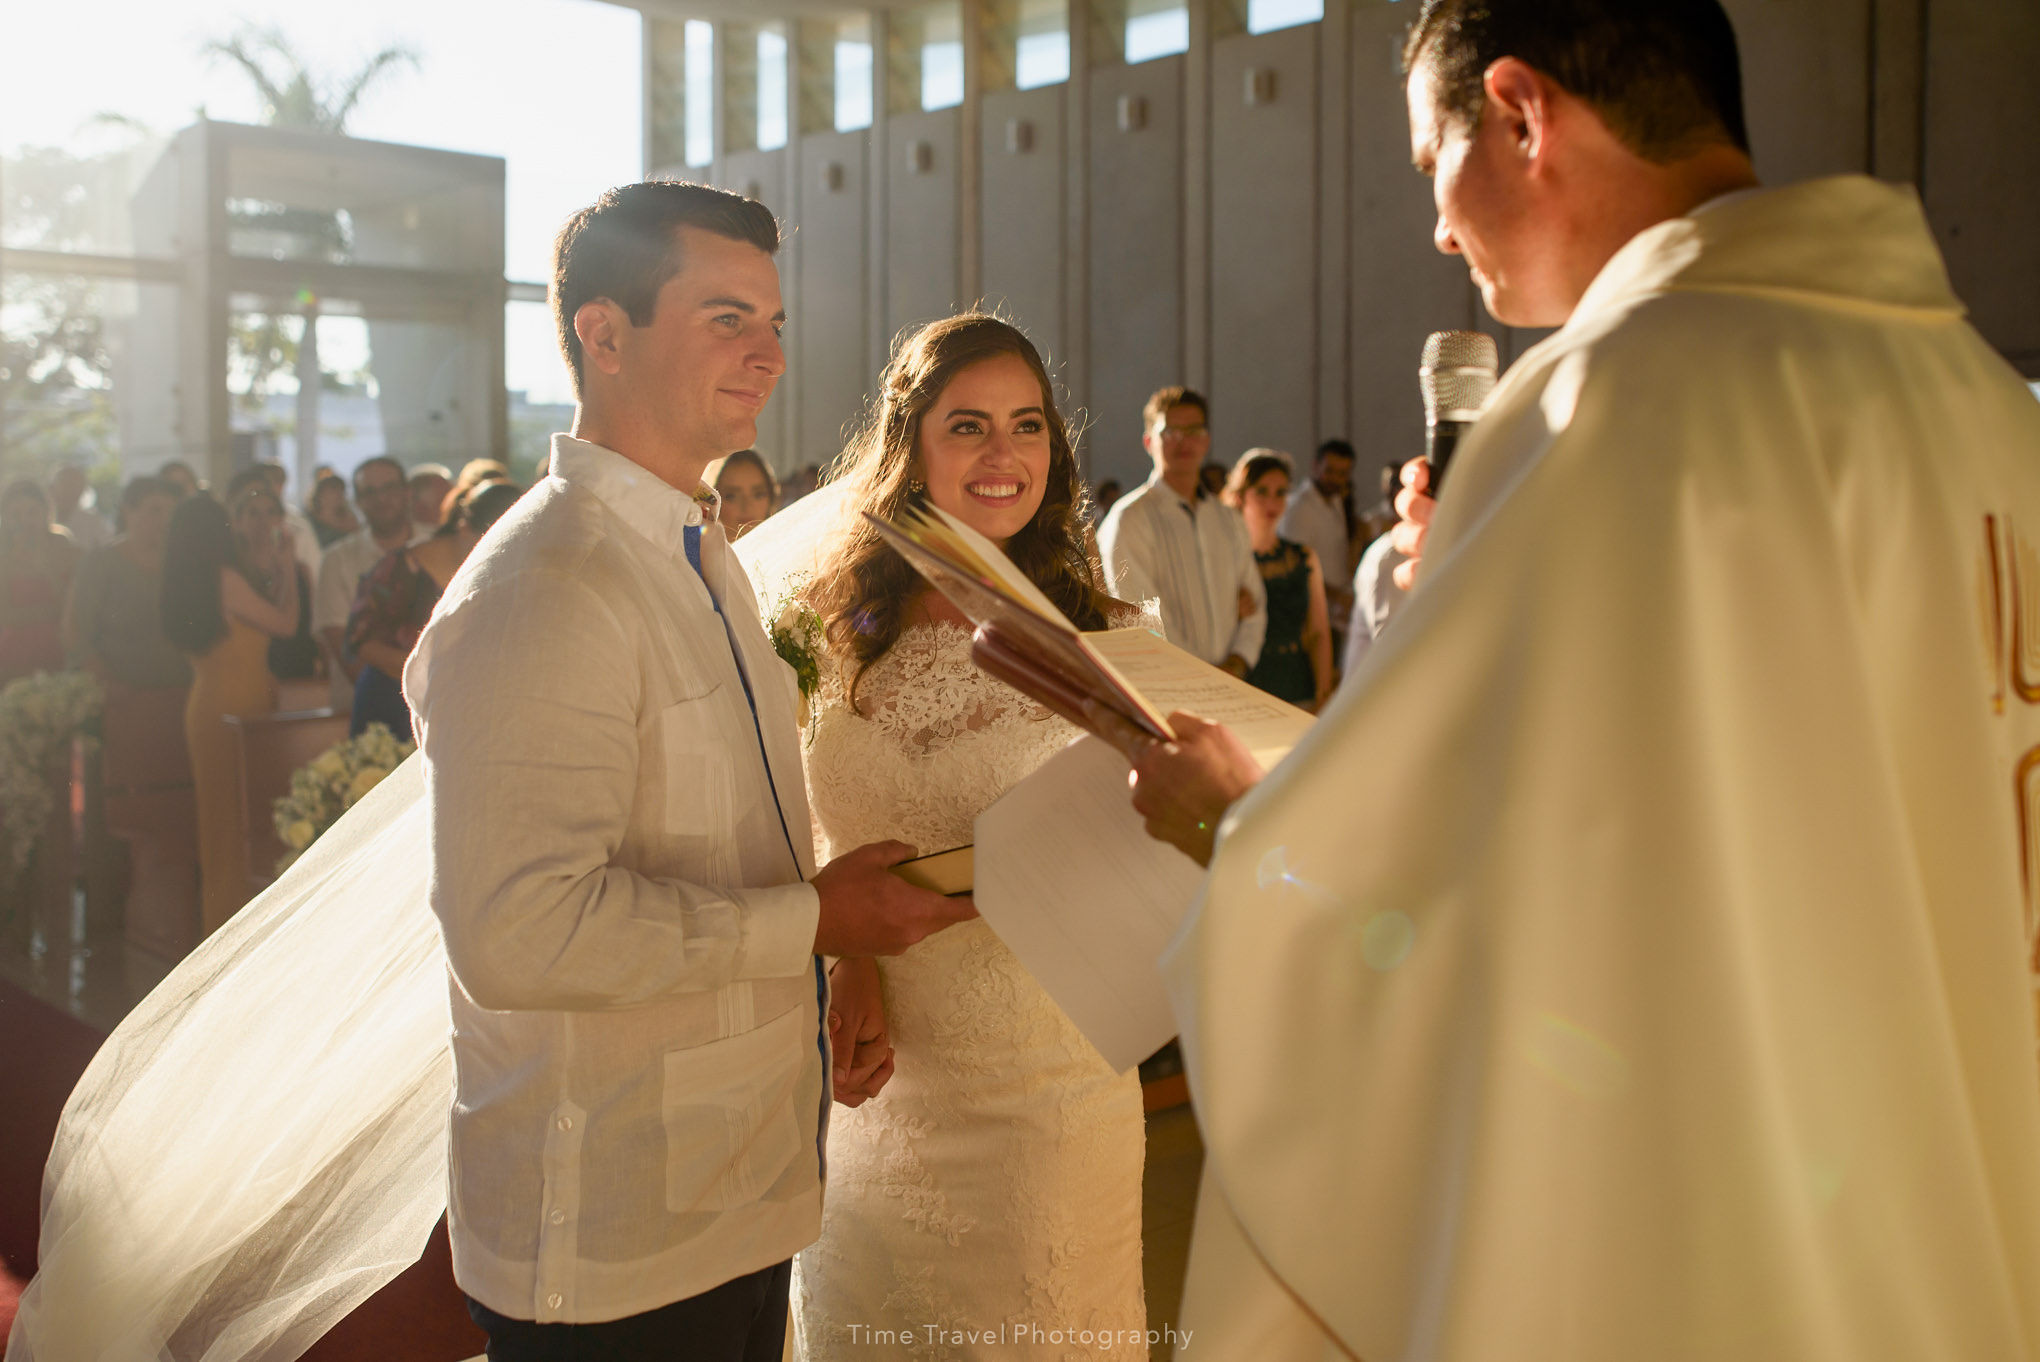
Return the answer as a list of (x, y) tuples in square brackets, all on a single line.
[(1168, 539), (383, 496)]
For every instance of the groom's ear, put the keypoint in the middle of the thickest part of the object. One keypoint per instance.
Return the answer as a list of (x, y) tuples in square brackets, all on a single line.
[(600, 325)]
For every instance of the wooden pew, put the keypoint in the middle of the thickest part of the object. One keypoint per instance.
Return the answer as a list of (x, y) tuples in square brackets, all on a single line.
[(273, 747), (151, 807)]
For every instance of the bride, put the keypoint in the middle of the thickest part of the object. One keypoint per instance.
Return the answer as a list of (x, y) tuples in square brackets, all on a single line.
[(994, 1184)]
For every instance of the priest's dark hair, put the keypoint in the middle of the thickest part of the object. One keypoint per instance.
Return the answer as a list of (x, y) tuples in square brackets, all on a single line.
[(1662, 74), (625, 246)]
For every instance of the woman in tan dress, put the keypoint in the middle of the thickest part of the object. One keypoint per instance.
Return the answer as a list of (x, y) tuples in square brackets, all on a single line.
[(228, 588)]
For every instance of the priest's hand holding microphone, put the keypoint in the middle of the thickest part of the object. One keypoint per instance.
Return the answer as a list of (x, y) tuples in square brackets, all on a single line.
[(1183, 788)]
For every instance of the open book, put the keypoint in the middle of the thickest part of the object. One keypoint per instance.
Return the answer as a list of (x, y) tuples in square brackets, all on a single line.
[(1025, 641)]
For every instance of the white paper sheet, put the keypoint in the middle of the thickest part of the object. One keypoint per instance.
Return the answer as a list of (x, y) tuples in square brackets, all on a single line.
[(1070, 880)]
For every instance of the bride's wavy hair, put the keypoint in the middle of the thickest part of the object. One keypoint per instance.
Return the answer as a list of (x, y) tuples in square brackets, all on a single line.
[(862, 587)]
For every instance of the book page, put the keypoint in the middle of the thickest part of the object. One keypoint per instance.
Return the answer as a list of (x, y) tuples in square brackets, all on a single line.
[(1171, 679), (1071, 882)]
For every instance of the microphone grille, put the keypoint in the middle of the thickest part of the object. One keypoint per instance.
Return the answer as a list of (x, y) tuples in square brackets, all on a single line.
[(1457, 373)]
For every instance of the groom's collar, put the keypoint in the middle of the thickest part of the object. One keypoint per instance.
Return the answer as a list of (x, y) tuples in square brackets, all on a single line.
[(640, 498)]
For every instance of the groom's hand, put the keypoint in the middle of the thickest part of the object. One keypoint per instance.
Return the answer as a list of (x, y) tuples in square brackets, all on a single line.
[(859, 1045), (868, 910)]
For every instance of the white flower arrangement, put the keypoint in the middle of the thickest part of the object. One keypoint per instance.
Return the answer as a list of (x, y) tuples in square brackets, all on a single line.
[(39, 716), (332, 783)]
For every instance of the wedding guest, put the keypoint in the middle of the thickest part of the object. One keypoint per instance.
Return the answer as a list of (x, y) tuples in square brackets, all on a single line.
[(429, 483), (396, 598), (179, 475), (88, 529), (748, 490), (473, 473), (332, 518), (36, 563), (383, 499), (1379, 518), (802, 481), (229, 586), (1320, 517), (1171, 539), (1296, 657), (304, 540), (1376, 596), (1107, 492), (113, 623)]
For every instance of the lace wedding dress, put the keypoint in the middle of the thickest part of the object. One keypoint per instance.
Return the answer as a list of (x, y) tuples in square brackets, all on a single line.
[(986, 1204)]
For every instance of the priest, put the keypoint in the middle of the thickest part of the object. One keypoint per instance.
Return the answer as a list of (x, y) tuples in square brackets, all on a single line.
[(1635, 961)]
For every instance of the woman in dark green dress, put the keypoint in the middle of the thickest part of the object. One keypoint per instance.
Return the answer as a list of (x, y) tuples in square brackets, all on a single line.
[(1296, 658)]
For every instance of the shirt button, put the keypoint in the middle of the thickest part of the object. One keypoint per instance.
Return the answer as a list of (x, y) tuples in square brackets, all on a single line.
[(558, 1217), (566, 1123), (553, 1301)]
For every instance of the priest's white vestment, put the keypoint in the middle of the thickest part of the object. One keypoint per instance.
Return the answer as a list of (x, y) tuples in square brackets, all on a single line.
[(1635, 962)]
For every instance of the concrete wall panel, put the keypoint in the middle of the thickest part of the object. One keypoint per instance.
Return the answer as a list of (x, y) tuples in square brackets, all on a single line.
[(1135, 311), (1023, 212), (921, 218), (1806, 85), (1982, 181), (828, 322), (1264, 242)]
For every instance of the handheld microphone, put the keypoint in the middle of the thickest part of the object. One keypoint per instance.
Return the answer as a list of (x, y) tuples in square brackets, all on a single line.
[(1456, 375)]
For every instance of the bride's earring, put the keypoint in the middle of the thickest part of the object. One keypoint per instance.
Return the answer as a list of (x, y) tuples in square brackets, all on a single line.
[(915, 486)]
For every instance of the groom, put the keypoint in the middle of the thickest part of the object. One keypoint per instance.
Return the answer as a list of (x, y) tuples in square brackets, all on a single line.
[(621, 856)]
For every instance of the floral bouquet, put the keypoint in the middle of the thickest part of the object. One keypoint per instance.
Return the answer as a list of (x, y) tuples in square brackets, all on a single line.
[(331, 784), (39, 716)]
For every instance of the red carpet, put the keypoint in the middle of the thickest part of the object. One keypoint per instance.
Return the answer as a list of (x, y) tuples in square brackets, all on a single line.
[(419, 1317)]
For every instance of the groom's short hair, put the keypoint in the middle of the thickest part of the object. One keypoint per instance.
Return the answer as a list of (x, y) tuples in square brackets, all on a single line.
[(625, 246)]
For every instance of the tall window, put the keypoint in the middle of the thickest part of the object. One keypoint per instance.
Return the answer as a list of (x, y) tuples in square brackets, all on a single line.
[(1156, 28), (941, 57), (771, 87), (1265, 16), (853, 75), (1042, 53), (700, 92)]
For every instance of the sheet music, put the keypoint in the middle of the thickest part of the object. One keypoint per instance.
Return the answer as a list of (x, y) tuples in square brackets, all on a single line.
[(1071, 882)]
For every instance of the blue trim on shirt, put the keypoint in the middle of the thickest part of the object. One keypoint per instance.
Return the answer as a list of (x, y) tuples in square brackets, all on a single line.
[(692, 539)]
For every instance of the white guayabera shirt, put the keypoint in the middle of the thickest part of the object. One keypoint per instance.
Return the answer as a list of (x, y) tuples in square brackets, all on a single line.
[(635, 998), (1197, 558)]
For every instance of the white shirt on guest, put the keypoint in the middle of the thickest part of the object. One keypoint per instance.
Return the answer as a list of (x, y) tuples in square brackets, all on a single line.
[(619, 855), (1196, 558), (1319, 522)]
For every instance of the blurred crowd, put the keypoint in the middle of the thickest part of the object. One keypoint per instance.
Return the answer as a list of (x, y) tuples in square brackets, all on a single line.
[(230, 596)]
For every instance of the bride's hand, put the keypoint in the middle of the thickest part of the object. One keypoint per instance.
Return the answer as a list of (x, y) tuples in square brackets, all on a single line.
[(859, 1043)]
